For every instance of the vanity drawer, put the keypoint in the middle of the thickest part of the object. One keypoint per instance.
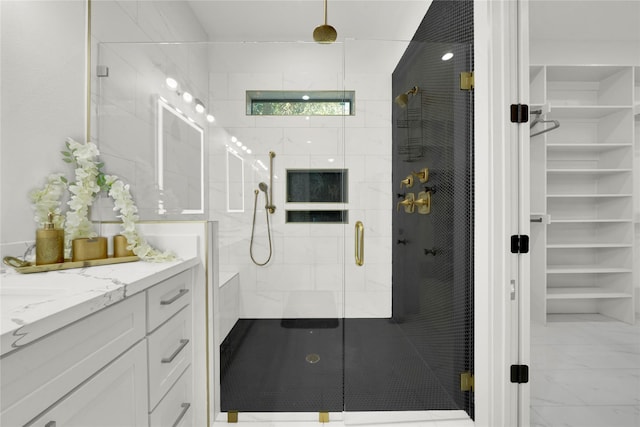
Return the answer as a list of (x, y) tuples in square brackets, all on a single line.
[(169, 354), (35, 376), (175, 409), (167, 298)]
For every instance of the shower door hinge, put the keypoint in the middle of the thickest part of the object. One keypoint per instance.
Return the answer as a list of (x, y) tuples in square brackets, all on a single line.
[(466, 80), (102, 71), (466, 381), (520, 244), (519, 113), (323, 417), (232, 416), (519, 374)]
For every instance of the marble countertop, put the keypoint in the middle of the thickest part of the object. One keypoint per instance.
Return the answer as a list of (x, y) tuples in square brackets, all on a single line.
[(34, 305)]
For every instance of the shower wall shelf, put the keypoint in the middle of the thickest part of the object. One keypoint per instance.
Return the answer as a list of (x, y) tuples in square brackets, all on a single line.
[(582, 260)]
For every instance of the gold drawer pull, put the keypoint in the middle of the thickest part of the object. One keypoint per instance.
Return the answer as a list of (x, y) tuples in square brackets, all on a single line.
[(181, 293), (185, 408), (183, 344)]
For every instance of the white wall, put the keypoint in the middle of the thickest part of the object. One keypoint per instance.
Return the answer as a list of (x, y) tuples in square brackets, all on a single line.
[(42, 101), (312, 273), (43, 88)]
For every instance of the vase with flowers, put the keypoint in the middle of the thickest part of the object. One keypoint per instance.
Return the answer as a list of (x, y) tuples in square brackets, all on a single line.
[(89, 181)]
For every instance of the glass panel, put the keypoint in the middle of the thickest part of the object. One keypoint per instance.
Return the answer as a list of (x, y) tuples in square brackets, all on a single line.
[(298, 325), (149, 133)]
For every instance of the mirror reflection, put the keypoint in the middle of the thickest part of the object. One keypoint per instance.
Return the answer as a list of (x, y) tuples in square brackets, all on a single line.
[(180, 162)]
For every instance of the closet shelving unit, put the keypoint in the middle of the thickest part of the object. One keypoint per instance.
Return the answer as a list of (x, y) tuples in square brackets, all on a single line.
[(582, 180)]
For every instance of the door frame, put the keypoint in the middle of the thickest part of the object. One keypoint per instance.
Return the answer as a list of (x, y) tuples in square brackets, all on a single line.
[(501, 210)]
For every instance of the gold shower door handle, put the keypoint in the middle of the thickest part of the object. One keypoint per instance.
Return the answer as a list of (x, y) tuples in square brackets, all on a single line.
[(359, 243)]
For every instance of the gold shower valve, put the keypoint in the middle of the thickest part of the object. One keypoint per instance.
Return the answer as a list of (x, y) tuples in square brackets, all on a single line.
[(408, 181), (423, 175), (408, 203), (423, 202)]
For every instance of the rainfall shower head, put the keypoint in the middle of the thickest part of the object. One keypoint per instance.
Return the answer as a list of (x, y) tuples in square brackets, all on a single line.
[(403, 99)]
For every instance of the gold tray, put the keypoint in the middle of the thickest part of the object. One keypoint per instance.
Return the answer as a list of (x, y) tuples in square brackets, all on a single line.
[(32, 268)]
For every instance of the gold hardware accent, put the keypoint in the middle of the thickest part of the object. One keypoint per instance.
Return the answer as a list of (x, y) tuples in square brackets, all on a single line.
[(424, 202), (408, 181), (466, 381), (359, 243), (466, 80), (323, 417), (423, 175), (232, 416), (15, 262), (408, 203)]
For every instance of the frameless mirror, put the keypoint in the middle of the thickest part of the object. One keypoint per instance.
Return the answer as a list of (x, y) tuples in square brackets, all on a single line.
[(235, 182), (180, 162)]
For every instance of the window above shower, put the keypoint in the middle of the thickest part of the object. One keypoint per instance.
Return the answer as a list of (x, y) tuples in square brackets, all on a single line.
[(300, 103)]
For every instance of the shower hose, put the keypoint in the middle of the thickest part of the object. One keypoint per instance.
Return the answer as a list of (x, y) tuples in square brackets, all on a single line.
[(253, 228)]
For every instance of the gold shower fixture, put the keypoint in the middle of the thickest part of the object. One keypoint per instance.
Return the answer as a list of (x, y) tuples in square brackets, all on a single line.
[(325, 33), (403, 99)]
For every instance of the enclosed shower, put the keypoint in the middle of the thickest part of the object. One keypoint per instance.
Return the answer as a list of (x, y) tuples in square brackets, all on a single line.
[(343, 286)]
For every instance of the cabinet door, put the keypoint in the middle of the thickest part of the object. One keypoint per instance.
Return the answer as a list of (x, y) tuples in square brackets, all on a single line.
[(116, 396)]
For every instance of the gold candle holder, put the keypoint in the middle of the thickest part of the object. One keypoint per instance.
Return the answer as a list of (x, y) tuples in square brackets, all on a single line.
[(89, 248), (120, 244)]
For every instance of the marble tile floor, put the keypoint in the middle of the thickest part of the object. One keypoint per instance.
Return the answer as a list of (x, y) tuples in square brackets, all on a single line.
[(585, 372)]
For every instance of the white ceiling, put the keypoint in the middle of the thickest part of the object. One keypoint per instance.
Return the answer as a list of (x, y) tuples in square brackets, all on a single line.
[(295, 20), (588, 20)]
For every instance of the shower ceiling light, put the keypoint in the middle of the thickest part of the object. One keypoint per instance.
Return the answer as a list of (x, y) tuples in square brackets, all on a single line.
[(199, 106), (325, 33), (171, 83)]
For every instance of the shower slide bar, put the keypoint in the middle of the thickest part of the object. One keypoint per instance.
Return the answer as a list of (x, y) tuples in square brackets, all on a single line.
[(359, 243)]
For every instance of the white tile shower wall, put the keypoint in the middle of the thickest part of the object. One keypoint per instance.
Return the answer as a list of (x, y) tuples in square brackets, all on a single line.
[(312, 272), (124, 113)]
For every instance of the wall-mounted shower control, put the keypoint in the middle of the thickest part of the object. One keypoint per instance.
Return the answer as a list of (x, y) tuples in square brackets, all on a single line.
[(423, 175), (407, 182), (432, 251), (408, 203), (423, 202), (401, 242)]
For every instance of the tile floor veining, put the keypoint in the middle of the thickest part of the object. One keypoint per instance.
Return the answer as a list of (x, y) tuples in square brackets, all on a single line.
[(585, 372)]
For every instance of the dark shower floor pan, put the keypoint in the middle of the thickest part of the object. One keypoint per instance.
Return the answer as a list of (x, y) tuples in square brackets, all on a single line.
[(311, 365)]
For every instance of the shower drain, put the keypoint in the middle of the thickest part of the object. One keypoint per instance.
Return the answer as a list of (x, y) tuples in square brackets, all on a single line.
[(312, 358)]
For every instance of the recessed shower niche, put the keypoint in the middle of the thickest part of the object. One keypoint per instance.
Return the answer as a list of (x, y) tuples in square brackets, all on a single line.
[(317, 186)]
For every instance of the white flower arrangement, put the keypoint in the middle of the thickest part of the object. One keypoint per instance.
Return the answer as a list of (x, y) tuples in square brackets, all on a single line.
[(90, 180)]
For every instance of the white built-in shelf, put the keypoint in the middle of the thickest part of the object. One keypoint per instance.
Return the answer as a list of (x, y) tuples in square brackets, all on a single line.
[(584, 293), (585, 184), (588, 245), (585, 111), (590, 196), (589, 220), (592, 148), (585, 269), (589, 171)]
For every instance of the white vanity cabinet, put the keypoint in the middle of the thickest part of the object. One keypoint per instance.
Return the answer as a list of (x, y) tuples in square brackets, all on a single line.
[(128, 364)]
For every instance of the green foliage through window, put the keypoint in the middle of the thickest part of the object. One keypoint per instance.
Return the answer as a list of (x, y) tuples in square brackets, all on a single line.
[(299, 103)]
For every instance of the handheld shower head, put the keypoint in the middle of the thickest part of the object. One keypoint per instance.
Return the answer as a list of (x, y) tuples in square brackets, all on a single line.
[(263, 186)]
